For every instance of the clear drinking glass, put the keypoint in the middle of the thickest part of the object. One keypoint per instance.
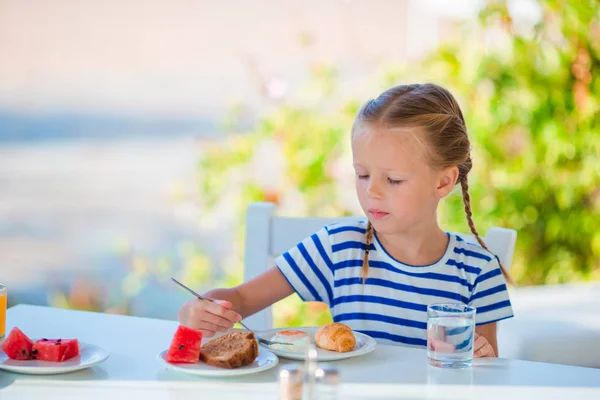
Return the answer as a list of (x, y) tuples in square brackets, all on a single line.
[(3, 301), (450, 335)]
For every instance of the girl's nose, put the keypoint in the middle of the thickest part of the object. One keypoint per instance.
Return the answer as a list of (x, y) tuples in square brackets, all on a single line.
[(373, 191)]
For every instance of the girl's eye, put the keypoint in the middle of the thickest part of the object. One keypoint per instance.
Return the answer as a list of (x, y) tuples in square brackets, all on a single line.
[(394, 181), (363, 176)]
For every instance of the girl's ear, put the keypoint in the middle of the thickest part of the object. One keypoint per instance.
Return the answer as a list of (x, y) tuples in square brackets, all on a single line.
[(447, 180)]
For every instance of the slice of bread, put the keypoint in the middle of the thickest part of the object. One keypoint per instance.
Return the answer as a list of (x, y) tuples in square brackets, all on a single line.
[(233, 350)]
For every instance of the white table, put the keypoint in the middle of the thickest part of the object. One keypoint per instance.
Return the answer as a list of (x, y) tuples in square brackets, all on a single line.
[(132, 370)]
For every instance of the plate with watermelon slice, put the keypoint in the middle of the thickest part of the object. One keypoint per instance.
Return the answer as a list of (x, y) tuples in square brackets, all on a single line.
[(231, 354), (44, 356)]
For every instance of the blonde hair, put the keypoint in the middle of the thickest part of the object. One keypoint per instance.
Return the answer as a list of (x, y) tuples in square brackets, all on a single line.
[(434, 109)]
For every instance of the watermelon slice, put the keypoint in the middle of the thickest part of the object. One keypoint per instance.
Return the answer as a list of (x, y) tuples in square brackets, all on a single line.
[(185, 346), (73, 350), (17, 345), (55, 350)]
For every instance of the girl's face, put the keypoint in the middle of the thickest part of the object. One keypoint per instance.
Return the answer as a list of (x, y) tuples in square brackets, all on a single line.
[(396, 187)]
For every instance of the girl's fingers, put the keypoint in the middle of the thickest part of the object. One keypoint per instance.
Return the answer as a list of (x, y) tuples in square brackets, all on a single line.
[(486, 351), (224, 303), (439, 345), (217, 309), (216, 321), (482, 348), (210, 327), (194, 313), (480, 341)]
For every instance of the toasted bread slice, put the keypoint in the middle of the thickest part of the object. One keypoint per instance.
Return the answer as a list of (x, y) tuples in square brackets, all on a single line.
[(233, 350)]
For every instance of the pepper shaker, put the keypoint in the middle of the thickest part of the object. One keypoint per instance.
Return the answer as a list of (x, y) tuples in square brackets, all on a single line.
[(290, 382), (310, 369), (327, 379)]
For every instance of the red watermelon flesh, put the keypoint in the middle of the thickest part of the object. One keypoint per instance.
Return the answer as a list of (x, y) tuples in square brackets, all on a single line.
[(185, 346), (73, 350), (17, 345), (55, 350)]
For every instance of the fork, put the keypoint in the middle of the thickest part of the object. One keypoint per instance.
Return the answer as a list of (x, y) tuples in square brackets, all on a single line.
[(261, 340)]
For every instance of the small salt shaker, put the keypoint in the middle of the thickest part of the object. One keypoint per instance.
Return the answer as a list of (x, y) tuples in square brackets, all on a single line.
[(327, 380)]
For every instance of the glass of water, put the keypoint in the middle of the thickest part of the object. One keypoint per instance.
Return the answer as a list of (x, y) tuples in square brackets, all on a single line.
[(3, 300), (450, 335)]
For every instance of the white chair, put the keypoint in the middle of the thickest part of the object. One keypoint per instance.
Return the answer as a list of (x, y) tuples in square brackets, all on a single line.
[(268, 236)]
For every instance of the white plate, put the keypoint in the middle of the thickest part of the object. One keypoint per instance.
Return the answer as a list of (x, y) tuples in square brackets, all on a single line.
[(364, 344), (265, 360), (89, 355)]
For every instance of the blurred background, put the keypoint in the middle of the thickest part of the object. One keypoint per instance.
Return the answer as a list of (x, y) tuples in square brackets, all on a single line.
[(133, 134)]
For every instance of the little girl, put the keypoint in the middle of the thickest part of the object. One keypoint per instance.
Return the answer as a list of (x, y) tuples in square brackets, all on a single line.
[(410, 148)]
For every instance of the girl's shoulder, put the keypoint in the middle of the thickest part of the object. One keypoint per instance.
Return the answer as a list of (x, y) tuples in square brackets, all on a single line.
[(351, 229), (472, 248), (471, 253)]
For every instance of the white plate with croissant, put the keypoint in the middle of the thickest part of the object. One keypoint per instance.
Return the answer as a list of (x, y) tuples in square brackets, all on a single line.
[(334, 342)]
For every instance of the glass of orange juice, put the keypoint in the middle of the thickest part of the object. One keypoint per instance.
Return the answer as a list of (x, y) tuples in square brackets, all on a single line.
[(3, 297)]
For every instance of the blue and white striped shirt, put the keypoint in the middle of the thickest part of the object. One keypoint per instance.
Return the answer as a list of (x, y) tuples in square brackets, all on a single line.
[(392, 305)]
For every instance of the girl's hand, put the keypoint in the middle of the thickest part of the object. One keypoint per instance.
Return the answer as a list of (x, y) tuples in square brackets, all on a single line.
[(208, 317), (439, 345), (482, 348)]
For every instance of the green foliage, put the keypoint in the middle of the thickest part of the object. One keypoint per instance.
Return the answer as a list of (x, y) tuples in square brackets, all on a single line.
[(532, 103), (531, 99)]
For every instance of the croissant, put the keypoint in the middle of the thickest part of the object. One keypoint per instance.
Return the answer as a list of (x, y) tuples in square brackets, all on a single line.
[(337, 337)]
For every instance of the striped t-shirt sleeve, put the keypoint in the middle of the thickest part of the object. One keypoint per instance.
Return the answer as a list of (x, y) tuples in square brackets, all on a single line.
[(308, 268), (490, 295)]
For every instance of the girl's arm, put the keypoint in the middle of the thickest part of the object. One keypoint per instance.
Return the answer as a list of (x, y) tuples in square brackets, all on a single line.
[(234, 304), (486, 344), (256, 294)]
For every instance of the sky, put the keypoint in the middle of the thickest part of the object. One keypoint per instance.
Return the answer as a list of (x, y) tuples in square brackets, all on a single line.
[(186, 57)]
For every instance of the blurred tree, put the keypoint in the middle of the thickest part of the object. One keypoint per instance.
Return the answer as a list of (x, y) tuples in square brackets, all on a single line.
[(531, 93), (530, 90)]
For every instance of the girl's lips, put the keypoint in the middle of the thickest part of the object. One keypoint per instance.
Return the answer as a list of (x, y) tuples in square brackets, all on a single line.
[(378, 214)]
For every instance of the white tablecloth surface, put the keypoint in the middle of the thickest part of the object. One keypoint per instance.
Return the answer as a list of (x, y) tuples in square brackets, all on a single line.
[(132, 370)]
